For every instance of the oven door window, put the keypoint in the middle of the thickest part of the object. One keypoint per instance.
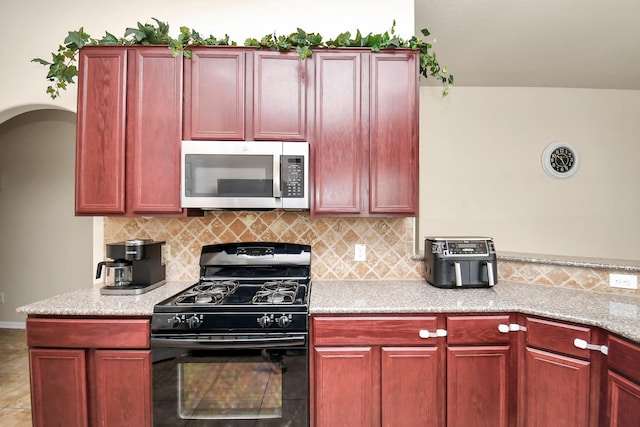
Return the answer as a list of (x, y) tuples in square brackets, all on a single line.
[(220, 389), (231, 388)]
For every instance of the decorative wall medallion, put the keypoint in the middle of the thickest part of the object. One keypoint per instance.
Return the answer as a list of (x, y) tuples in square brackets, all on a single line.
[(560, 160)]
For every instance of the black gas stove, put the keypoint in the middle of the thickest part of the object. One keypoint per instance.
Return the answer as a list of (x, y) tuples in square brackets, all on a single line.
[(248, 288), (233, 349)]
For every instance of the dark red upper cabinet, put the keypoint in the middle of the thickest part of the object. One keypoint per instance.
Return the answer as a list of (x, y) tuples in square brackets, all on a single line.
[(365, 143), (279, 96), (245, 94), (339, 147), (154, 124), (128, 131), (100, 134), (393, 173), (214, 87)]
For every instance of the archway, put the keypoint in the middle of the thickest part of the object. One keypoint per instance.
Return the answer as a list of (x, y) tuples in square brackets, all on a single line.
[(45, 249)]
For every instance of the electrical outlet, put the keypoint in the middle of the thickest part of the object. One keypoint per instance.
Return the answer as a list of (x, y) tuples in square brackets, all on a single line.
[(624, 281), (360, 252), (166, 253)]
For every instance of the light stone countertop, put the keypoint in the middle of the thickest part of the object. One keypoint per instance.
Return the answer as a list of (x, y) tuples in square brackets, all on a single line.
[(89, 302), (615, 313)]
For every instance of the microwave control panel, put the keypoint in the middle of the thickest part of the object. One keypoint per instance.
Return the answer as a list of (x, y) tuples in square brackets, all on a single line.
[(293, 176)]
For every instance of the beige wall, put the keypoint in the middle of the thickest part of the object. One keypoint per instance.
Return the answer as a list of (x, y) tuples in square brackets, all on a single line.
[(26, 34), (481, 171), (44, 249)]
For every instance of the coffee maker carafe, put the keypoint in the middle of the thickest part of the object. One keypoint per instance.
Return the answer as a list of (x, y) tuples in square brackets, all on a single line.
[(137, 266), (116, 273)]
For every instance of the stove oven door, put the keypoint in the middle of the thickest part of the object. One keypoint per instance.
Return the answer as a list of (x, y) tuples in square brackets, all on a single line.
[(235, 385)]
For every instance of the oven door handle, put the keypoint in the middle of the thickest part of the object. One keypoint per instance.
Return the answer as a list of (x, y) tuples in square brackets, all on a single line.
[(216, 342)]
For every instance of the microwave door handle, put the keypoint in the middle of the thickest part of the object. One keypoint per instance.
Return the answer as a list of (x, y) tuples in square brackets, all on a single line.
[(277, 174)]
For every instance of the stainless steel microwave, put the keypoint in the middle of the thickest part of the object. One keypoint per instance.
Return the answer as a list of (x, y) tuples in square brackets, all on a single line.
[(245, 175)]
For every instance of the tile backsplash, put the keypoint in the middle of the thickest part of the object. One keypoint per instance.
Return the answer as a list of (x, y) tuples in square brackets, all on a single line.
[(564, 274), (389, 241), (389, 247)]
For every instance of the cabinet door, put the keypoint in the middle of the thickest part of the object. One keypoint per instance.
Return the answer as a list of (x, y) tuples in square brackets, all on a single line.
[(279, 96), (58, 387), (214, 94), (340, 147), (623, 401), (153, 131), (478, 386), (481, 371), (623, 398), (343, 390), (100, 133), (410, 385), (393, 174), (123, 387), (557, 389)]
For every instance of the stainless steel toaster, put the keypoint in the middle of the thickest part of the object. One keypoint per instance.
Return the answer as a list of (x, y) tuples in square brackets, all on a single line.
[(460, 262)]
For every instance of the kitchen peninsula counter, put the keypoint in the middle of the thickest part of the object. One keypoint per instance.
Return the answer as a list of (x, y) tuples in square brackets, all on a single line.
[(616, 313)]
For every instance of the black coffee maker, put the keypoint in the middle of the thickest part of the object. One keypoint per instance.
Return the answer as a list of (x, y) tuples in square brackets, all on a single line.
[(137, 267)]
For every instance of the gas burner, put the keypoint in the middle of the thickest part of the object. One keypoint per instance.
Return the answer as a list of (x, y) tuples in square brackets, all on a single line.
[(208, 292), (276, 292)]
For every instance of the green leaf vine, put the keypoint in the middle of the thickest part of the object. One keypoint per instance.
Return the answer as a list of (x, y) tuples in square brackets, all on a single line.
[(63, 69)]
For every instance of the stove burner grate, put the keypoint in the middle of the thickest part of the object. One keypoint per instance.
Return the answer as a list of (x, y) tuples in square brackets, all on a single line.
[(208, 292), (276, 292)]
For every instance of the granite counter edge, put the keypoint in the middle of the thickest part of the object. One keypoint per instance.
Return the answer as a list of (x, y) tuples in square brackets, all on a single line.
[(89, 302), (628, 328)]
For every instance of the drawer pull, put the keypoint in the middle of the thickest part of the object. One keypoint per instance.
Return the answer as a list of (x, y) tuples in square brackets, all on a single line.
[(586, 346), (511, 328), (438, 333)]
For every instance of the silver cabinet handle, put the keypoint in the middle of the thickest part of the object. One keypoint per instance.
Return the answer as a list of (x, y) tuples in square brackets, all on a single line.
[(512, 327), (586, 346), (438, 333)]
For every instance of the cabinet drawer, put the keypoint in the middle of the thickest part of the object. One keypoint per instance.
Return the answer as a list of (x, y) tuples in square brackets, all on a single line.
[(476, 329), (623, 358), (397, 330), (556, 336), (88, 333)]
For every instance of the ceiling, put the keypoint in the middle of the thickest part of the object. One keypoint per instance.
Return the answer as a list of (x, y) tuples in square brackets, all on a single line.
[(535, 43)]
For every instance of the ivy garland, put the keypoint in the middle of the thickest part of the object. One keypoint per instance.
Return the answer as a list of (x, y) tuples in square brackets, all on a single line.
[(63, 69)]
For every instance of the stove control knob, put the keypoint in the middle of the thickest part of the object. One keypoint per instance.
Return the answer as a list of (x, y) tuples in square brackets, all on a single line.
[(194, 321), (283, 321), (177, 320), (264, 321)]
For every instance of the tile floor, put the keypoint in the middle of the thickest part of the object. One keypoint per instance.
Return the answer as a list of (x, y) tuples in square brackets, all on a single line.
[(15, 399)]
